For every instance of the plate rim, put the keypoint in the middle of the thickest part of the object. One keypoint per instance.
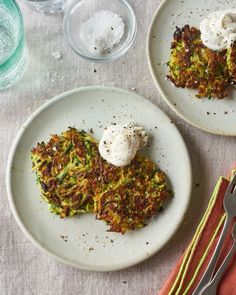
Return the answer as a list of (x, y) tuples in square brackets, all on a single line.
[(158, 84), (23, 226)]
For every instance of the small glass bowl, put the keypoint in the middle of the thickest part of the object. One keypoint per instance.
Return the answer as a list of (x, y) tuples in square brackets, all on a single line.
[(80, 11)]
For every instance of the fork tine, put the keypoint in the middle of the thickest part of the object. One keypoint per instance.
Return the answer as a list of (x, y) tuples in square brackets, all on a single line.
[(231, 185), (234, 231), (234, 190)]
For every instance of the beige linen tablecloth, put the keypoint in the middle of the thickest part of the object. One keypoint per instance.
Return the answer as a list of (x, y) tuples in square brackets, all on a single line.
[(24, 270)]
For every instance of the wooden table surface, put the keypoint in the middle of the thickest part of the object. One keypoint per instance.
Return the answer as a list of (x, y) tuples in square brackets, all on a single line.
[(23, 268)]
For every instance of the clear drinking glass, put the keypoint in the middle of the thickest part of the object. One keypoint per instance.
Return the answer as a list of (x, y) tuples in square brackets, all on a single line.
[(46, 6), (12, 43)]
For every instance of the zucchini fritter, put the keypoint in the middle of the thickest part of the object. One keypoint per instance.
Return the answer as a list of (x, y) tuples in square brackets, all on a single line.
[(231, 62), (135, 198), (195, 66), (75, 179), (59, 165)]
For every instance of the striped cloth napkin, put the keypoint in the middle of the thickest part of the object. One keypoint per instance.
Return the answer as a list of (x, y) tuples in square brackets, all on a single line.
[(192, 264)]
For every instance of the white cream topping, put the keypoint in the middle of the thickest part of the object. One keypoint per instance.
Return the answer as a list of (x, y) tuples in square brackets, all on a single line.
[(218, 30), (120, 143)]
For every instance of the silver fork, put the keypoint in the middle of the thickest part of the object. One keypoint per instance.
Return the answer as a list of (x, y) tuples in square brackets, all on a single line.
[(230, 208), (211, 287)]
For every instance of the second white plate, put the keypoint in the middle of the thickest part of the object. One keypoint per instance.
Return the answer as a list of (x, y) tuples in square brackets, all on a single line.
[(83, 241), (215, 116)]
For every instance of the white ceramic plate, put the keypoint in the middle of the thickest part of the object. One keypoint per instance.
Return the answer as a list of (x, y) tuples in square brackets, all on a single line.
[(215, 116), (86, 243)]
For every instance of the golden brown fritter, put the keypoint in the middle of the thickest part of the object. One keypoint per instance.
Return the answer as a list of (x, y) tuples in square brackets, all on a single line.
[(75, 179), (63, 171), (135, 199), (195, 66), (231, 61)]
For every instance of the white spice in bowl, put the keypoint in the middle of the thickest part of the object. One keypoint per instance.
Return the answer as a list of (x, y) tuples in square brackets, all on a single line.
[(102, 31)]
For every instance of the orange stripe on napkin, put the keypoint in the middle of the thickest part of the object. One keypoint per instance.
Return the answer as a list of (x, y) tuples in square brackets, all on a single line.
[(192, 264)]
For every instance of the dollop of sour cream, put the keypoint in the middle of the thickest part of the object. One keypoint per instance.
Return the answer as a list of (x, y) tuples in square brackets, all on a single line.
[(120, 143), (218, 30)]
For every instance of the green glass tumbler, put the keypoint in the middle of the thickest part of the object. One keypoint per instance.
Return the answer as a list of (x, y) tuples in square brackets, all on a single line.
[(13, 55)]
